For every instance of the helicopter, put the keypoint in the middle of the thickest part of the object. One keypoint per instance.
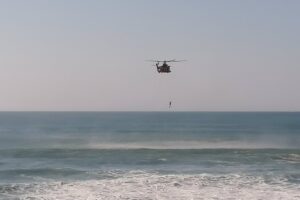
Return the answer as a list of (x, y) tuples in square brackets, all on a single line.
[(164, 68)]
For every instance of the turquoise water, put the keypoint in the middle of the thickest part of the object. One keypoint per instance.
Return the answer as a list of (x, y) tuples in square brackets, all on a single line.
[(149, 155)]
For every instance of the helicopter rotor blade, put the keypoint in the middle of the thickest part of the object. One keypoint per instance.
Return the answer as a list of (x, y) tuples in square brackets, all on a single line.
[(154, 61), (175, 60), (158, 61)]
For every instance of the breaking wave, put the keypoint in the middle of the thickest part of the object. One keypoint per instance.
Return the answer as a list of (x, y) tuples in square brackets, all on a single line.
[(143, 185)]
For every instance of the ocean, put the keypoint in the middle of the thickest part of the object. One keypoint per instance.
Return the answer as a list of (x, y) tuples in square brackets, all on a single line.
[(149, 155)]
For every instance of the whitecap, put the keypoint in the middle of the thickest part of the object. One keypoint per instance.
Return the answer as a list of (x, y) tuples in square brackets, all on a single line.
[(142, 185)]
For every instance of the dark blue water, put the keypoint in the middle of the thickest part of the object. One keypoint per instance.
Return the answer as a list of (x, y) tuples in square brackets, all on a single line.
[(43, 152), (146, 129)]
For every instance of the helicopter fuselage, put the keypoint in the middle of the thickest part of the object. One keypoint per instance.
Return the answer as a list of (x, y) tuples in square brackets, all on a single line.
[(164, 68)]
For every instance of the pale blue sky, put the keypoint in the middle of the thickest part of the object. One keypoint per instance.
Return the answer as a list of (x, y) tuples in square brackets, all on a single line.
[(89, 55)]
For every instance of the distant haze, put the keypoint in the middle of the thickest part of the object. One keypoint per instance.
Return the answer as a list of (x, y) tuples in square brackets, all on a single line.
[(90, 55)]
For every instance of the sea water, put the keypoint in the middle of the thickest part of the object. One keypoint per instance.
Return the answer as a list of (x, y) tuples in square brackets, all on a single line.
[(149, 155)]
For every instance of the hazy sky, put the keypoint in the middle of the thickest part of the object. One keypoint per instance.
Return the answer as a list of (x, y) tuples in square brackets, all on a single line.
[(90, 55)]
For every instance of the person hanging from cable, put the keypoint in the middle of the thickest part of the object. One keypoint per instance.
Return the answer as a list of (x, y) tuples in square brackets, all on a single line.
[(170, 104)]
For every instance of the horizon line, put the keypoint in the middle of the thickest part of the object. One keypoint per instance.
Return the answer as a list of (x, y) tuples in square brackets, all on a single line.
[(167, 111)]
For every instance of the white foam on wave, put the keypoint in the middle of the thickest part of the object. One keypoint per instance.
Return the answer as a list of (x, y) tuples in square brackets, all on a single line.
[(141, 185), (186, 145), (292, 158)]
